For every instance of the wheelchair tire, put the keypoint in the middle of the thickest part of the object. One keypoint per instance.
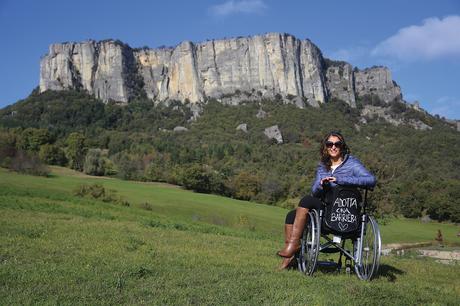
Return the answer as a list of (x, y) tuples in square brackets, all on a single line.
[(310, 244), (371, 247)]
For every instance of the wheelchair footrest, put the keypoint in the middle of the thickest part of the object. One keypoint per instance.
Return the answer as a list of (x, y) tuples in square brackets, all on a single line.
[(332, 264)]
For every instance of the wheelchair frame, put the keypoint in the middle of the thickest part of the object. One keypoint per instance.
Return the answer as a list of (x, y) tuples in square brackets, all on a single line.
[(366, 241)]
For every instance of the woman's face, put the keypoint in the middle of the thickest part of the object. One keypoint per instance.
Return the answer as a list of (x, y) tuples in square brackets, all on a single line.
[(333, 145)]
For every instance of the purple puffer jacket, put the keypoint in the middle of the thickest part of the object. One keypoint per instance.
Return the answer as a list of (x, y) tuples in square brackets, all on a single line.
[(351, 172)]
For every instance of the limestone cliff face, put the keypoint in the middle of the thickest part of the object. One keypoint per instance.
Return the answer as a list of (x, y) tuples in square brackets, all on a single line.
[(104, 69), (271, 64), (340, 81), (377, 81), (263, 66)]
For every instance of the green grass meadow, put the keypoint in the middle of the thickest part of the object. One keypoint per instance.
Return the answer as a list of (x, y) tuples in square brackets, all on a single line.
[(172, 246)]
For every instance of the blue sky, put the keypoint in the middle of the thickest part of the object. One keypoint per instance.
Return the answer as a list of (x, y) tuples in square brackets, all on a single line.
[(418, 40)]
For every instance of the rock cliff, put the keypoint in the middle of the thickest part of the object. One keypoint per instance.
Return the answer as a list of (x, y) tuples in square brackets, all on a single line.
[(262, 66)]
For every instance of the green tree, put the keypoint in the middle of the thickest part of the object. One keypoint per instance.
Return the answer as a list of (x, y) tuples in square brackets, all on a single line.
[(31, 139), (202, 179), (94, 162), (51, 154), (245, 185), (7, 147), (76, 150)]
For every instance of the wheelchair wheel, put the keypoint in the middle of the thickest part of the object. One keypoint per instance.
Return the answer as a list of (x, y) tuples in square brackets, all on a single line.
[(309, 245), (368, 264)]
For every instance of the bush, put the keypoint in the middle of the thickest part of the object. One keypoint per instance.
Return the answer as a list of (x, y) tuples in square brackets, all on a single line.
[(156, 171), (28, 163), (146, 206), (98, 192), (7, 148), (76, 150), (52, 155), (200, 179), (245, 186), (94, 162), (31, 139), (128, 167)]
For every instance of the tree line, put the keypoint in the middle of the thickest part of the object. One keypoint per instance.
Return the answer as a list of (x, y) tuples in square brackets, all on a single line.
[(416, 170)]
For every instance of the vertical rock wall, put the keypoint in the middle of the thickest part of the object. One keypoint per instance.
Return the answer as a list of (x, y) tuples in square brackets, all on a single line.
[(271, 64)]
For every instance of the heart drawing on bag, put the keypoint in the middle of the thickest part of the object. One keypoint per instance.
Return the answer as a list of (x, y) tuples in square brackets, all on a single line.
[(343, 226)]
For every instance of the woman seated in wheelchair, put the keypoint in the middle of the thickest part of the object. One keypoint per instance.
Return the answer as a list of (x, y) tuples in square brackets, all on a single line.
[(337, 167)]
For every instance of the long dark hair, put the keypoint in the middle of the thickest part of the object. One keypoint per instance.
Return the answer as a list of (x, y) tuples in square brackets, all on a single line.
[(325, 158)]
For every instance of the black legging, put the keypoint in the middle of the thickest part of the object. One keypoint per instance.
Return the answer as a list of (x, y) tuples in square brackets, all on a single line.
[(306, 202)]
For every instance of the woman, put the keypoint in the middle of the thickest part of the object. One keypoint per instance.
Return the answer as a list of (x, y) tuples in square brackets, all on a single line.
[(337, 167)]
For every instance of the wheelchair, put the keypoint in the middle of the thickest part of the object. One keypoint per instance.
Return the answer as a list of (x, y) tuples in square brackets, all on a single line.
[(342, 219)]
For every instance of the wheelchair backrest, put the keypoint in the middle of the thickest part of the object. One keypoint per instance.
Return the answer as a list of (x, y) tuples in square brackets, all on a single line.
[(343, 209)]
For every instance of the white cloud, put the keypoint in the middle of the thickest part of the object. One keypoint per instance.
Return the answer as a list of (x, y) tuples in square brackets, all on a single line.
[(447, 107), (435, 38), (236, 7)]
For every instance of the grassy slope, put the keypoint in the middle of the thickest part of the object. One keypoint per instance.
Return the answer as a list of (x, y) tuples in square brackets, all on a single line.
[(191, 248)]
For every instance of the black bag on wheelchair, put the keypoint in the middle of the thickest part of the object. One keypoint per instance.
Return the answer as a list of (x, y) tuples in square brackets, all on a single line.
[(342, 210)]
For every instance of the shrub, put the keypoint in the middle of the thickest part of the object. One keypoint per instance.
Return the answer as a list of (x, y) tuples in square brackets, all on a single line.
[(28, 163), (7, 148), (76, 150), (146, 206), (94, 162), (200, 179), (245, 185), (98, 192), (129, 167), (52, 155), (31, 139)]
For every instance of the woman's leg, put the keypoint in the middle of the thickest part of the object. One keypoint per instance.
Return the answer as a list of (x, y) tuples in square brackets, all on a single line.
[(288, 224), (293, 245)]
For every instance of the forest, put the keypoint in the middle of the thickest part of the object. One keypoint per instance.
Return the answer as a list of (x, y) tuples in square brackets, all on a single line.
[(417, 170)]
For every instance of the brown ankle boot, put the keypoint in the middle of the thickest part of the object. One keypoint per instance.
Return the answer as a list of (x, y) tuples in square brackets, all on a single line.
[(293, 244)]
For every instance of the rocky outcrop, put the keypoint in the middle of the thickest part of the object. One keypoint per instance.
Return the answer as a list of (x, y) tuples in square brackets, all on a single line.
[(273, 132), (340, 81), (273, 65), (180, 129), (106, 69), (373, 112), (377, 81), (242, 127)]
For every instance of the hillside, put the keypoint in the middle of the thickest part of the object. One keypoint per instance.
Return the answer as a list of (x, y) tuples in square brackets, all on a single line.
[(416, 169), (59, 248)]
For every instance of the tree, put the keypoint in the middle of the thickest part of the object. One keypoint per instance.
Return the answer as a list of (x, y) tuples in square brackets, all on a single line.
[(245, 185), (7, 148), (76, 150), (52, 155), (28, 163), (94, 162), (129, 166), (202, 179), (31, 139)]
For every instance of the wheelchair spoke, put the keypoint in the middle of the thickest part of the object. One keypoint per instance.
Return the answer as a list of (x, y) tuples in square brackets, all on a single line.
[(310, 245), (370, 254)]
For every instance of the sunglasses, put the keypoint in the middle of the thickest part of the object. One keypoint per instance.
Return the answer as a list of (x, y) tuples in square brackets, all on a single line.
[(330, 144)]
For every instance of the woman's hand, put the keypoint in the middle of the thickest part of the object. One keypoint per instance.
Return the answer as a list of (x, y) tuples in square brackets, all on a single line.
[(328, 179)]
